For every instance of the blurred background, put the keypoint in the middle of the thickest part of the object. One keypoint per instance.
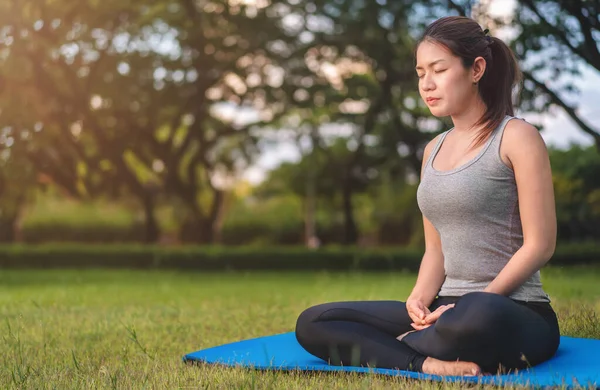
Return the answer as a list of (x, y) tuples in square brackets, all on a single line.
[(262, 122)]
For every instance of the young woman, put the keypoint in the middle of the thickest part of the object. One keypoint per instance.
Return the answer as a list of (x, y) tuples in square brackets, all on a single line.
[(487, 201)]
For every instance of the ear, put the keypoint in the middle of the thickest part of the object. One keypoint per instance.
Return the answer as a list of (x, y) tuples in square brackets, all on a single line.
[(478, 69)]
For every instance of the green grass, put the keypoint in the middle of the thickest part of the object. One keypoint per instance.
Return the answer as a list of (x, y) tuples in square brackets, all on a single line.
[(129, 329)]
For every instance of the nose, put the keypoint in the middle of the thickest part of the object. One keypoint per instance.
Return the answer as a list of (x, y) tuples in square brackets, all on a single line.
[(427, 83)]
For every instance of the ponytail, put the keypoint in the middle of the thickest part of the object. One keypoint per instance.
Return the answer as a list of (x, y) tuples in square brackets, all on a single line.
[(496, 87)]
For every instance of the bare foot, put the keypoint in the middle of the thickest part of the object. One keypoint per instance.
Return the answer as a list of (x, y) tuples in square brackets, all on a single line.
[(441, 367)]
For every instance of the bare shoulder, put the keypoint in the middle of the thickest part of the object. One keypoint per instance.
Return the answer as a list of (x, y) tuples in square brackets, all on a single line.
[(520, 133), (521, 140), (430, 145), (428, 148)]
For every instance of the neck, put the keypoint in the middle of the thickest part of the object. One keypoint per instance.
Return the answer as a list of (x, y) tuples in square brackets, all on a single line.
[(464, 120)]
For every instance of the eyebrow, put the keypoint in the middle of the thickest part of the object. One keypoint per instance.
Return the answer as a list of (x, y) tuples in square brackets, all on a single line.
[(431, 64)]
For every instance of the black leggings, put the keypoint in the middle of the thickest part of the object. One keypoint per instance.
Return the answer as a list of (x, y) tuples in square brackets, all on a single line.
[(495, 332)]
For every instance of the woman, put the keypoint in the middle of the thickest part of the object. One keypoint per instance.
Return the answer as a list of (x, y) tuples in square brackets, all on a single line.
[(487, 200)]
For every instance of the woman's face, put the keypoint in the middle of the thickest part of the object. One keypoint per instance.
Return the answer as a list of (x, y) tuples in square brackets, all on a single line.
[(445, 84)]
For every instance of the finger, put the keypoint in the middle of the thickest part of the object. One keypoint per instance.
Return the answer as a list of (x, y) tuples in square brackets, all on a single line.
[(418, 320), (411, 312), (415, 313), (419, 312), (419, 327), (426, 312), (422, 310), (437, 313), (433, 317)]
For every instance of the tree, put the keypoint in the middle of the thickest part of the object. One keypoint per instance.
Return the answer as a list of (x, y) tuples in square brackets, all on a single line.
[(59, 64), (356, 75), (126, 93)]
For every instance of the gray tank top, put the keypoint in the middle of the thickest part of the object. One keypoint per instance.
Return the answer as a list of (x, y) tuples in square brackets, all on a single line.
[(475, 210)]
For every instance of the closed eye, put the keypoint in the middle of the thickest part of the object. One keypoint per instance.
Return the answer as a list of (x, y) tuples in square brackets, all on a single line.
[(436, 71)]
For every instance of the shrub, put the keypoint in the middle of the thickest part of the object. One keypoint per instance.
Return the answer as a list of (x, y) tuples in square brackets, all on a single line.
[(240, 258)]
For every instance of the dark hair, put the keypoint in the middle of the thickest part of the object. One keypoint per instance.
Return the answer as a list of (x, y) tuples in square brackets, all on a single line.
[(466, 39)]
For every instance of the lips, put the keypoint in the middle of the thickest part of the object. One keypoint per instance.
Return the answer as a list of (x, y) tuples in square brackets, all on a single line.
[(431, 100)]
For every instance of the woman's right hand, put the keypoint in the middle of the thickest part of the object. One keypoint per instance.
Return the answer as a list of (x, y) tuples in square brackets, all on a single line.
[(417, 312)]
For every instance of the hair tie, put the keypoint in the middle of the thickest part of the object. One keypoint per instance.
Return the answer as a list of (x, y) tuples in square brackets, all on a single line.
[(487, 37)]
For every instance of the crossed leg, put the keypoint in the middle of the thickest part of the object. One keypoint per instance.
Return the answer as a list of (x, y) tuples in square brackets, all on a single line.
[(487, 329), (490, 330)]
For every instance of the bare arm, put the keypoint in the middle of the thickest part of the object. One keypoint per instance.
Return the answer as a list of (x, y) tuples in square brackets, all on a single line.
[(431, 272), (528, 156)]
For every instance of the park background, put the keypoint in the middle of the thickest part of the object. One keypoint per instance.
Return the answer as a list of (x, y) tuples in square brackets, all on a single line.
[(283, 137)]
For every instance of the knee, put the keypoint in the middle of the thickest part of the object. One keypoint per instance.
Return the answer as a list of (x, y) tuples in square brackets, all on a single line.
[(305, 322), (474, 314), (481, 307)]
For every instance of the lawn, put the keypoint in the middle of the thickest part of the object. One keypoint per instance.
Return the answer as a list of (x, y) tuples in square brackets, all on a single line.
[(129, 329)]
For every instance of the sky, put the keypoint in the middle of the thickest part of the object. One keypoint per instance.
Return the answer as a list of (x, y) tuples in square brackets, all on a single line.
[(559, 130)]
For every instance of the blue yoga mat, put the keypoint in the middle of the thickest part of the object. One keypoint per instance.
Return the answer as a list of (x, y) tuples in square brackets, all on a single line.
[(576, 363)]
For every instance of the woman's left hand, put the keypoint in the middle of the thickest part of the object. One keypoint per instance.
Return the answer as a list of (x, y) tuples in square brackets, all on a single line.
[(432, 317)]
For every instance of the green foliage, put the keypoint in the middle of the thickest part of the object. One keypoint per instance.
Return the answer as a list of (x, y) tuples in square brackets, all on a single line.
[(273, 210), (54, 218), (206, 258), (274, 221), (384, 203), (241, 258), (45, 232), (387, 213), (396, 213), (131, 99), (50, 208), (126, 96), (577, 185), (374, 102)]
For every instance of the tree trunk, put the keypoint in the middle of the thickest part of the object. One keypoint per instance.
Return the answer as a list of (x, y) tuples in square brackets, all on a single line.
[(221, 201), (197, 230), (151, 229), (10, 220), (310, 234), (350, 229), (206, 232), (7, 228)]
